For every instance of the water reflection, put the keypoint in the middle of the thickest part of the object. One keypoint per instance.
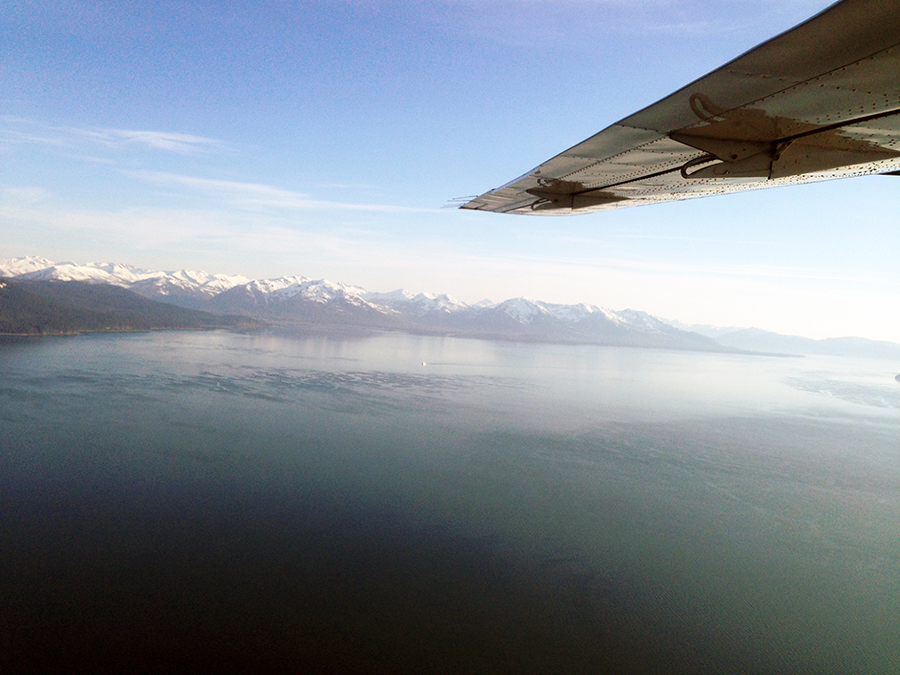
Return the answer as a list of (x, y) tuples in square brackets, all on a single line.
[(337, 506)]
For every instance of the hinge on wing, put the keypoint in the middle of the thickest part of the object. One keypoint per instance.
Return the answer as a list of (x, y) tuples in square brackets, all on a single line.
[(550, 198), (737, 159), (738, 139)]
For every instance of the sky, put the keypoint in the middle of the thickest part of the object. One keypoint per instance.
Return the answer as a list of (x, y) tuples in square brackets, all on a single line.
[(326, 139)]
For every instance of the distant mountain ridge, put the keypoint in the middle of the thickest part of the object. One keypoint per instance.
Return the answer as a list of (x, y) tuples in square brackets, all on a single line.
[(301, 302), (38, 307), (187, 288), (758, 340)]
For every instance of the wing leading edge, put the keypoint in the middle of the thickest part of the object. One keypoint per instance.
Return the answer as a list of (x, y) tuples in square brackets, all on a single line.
[(820, 101)]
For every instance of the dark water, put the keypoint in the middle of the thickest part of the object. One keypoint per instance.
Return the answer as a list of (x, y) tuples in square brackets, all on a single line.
[(240, 503)]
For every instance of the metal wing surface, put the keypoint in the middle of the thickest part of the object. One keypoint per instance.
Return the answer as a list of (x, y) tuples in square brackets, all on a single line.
[(820, 101)]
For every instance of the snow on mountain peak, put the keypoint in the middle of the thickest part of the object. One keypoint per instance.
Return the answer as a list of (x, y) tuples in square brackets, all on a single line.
[(318, 290), (522, 310), (439, 302), (525, 311), (14, 267), (420, 303), (125, 273), (399, 297), (283, 286), (88, 273), (642, 320), (571, 313), (322, 290), (192, 276), (146, 282)]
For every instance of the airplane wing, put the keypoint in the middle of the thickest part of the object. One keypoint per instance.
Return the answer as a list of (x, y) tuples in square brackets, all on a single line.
[(820, 101)]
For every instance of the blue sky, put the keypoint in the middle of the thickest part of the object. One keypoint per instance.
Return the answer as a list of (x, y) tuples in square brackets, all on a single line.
[(323, 138)]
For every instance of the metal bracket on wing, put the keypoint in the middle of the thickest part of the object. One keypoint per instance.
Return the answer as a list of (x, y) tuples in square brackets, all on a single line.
[(751, 155), (562, 196), (732, 159)]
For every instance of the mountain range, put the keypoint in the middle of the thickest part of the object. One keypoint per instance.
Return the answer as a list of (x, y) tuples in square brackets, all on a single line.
[(300, 303), (38, 307), (758, 340), (186, 288)]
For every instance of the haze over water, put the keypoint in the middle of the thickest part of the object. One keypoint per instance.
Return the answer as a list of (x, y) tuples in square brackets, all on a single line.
[(409, 504)]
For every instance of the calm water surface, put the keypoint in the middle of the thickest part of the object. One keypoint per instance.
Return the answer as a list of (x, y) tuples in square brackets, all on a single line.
[(428, 505)]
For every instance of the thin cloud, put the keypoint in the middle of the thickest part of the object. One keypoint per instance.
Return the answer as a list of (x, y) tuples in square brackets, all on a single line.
[(230, 236), (18, 130), (157, 140), (12, 136), (155, 227), (249, 195)]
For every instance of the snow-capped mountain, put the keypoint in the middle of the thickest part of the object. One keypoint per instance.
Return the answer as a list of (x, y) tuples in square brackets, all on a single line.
[(416, 303), (282, 295), (14, 267), (283, 288), (189, 288), (189, 281), (300, 301), (525, 310), (534, 320), (95, 272)]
